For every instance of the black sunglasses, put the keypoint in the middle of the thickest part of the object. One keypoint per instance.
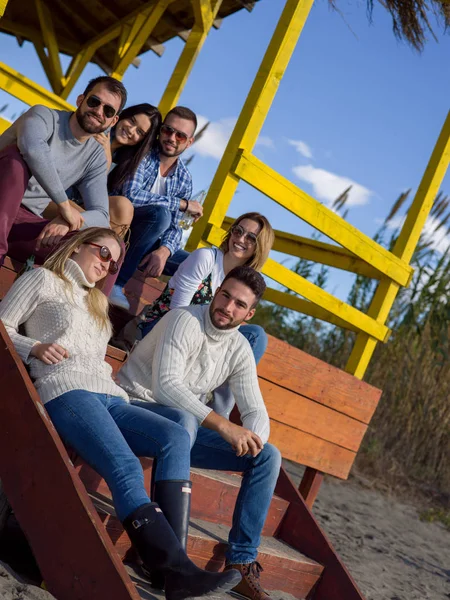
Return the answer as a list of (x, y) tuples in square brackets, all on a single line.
[(108, 110), (105, 256), (180, 136), (249, 237)]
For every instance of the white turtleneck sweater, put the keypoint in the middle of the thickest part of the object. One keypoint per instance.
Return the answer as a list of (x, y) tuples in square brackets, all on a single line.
[(185, 357), (53, 311)]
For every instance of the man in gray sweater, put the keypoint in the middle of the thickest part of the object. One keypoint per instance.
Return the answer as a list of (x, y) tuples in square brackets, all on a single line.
[(173, 372), (45, 152)]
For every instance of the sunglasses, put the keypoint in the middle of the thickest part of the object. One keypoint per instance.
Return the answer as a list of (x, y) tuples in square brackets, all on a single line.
[(94, 102), (105, 256), (237, 231), (180, 136)]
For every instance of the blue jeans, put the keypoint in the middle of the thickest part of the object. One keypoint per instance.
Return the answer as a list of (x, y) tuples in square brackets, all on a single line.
[(109, 434), (148, 225), (211, 451)]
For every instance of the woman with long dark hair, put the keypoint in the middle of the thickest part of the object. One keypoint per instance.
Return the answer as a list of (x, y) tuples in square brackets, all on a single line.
[(125, 146)]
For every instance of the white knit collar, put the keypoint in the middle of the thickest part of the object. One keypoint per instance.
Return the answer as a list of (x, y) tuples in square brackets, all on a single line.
[(75, 275), (212, 331)]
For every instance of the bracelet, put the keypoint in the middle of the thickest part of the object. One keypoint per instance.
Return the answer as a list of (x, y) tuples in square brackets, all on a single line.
[(186, 207)]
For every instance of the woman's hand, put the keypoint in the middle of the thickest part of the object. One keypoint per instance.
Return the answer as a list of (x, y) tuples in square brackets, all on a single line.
[(105, 141), (50, 354)]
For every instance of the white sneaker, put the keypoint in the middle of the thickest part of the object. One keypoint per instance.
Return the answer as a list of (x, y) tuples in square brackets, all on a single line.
[(118, 298)]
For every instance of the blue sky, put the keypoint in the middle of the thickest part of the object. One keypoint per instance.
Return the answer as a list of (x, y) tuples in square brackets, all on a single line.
[(355, 105)]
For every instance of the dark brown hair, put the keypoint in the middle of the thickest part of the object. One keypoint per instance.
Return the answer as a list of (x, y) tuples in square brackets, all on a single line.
[(129, 157), (112, 85), (249, 277), (183, 113)]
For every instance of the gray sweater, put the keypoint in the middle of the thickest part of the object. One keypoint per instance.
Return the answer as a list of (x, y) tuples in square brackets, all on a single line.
[(185, 357), (57, 160)]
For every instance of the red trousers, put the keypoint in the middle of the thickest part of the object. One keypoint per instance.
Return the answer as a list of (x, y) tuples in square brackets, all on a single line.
[(19, 227)]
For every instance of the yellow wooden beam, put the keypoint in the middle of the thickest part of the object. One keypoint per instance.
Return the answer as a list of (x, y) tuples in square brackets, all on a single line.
[(142, 33), (307, 308), (353, 318), (3, 4), (54, 69), (205, 13), (253, 113), (404, 248), (76, 67), (285, 193), (318, 252), (4, 124), (28, 91)]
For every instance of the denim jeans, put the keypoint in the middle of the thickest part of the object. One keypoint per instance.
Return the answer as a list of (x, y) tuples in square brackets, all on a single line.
[(211, 451), (109, 434), (148, 224)]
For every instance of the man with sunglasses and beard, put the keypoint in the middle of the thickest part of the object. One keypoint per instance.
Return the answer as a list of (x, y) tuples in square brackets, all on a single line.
[(44, 153), (159, 190), (172, 372)]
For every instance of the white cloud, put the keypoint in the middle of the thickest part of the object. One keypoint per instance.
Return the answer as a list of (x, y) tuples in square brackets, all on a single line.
[(213, 142), (440, 240), (266, 141), (328, 186), (215, 139), (301, 147)]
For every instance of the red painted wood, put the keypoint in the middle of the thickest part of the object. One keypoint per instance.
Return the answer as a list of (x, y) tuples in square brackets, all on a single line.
[(76, 557), (310, 485), (300, 530), (213, 499)]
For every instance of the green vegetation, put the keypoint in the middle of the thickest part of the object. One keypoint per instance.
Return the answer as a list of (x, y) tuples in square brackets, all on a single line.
[(408, 442)]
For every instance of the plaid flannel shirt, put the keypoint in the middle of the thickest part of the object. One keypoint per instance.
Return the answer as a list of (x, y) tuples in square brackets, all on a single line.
[(179, 186)]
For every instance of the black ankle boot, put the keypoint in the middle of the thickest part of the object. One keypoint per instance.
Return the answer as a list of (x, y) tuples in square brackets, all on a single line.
[(159, 548), (174, 498)]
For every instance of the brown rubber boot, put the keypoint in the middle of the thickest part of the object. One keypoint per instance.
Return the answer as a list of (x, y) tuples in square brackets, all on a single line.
[(250, 586)]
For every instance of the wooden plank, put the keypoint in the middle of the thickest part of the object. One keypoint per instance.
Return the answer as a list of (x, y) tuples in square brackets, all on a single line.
[(310, 485), (75, 556), (311, 417), (306, 449), (301, 531), (7, 278), (300, 372)]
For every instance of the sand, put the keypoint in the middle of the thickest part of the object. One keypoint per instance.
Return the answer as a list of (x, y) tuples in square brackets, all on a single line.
[(390, 553), (12, 587)]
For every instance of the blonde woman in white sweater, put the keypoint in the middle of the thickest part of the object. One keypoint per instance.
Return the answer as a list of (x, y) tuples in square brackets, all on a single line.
[(67, 328)]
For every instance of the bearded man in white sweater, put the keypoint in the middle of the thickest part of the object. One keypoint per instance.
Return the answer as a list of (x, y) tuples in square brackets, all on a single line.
[(174, 370)]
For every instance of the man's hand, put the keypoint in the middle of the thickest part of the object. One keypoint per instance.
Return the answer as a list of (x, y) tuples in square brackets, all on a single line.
[(153, 264), (195, 209), (105, 141), (242, 440), (50, 354), (52, 233), (71, 215)]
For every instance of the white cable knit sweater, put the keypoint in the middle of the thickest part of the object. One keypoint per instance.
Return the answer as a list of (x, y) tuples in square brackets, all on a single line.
[(185, 357), (42, 302)]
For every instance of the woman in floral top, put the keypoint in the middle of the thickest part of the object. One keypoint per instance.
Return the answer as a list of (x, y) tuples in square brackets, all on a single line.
[(247, 242)]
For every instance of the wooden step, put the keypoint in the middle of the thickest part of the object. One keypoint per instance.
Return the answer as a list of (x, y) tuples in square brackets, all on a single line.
[(214, 494), (284, 568)]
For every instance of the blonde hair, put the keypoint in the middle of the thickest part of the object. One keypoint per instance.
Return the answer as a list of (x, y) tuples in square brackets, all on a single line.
[(97, 302), (264, 240)]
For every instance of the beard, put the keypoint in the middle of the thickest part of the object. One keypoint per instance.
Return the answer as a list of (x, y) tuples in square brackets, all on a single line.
[(223, 326), (173, 152), (88, 125)]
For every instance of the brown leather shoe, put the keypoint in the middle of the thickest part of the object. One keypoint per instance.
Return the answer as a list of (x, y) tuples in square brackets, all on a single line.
[(250, 586)]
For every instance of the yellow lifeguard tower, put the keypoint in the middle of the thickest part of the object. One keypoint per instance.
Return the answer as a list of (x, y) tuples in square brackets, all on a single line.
[(336, 407)]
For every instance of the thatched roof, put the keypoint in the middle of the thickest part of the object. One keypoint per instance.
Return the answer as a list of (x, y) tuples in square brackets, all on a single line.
[(76, 23)]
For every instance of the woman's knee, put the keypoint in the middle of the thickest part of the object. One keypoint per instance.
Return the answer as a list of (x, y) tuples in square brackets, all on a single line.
[(257, 339), (121, 211)]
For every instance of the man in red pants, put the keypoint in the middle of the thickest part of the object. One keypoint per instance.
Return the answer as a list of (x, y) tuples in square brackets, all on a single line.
[(42, 154)]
